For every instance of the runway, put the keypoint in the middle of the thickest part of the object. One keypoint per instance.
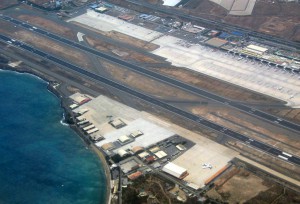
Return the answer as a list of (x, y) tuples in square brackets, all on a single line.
[(249, 110), (254, 143)]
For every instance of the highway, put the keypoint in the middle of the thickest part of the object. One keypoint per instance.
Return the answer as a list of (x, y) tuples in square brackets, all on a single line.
[(230, 133), (215, 24), (165, 79)]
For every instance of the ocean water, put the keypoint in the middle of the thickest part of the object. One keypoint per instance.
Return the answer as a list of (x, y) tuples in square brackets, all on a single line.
[(42, 160)]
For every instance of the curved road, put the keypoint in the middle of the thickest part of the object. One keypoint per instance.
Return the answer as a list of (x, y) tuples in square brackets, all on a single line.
[(254, 143)]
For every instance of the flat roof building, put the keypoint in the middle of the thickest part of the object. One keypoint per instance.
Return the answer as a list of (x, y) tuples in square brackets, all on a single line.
[(175, 170), (256, 49), (160, 154), (136, 133), (80, 118), (81, 111), (108, 146), (101, 9), (180, 147), (150, 159), (124, 139), (135, 175), (126, 17), (80, 99), (129, 166), (143, 155), (96, 138), (73, 106), (122, 152), (88, 127), (137, 149), (91, 131), (117, 123), (154, 149)]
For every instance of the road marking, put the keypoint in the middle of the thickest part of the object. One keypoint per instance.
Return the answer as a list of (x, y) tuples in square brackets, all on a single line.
[(79, 36), (282, 157), (287, 154)]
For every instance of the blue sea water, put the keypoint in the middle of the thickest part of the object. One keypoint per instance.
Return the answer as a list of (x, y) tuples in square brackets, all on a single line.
[(42, 160)]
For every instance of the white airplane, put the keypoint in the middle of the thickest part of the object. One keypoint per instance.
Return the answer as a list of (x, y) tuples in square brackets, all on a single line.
[(206, 166)]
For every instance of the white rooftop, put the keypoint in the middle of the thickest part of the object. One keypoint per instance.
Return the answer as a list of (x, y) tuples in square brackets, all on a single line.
[(160, 154), (258, 48), (174, 169), (170, 2), (152, 134), (124, 138)]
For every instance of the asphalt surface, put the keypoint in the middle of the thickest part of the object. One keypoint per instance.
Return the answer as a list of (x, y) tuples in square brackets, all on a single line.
[(249, 110), (216, 24), (230, 133)]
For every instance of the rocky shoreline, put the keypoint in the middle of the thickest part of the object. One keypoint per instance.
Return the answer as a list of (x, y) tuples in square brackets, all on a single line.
[(68, 117)]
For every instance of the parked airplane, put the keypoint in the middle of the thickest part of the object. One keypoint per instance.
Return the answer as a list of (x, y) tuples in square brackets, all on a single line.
[(206, 166)]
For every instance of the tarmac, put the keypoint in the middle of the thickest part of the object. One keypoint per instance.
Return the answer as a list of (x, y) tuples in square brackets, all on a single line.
[(248, 74)]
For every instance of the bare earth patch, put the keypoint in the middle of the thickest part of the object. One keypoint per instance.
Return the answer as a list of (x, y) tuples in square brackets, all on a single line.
[(146, 84), (239, 189), (120, 51), (48, 25), (217, 86), (57, 49), (7, 3)]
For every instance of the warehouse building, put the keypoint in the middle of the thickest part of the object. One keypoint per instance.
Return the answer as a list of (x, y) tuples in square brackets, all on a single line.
[(137, 149), (129, 165), (124, 139), (108, 146), (118, 123), (80, 99), (256, 49), (96, 138), (154, 149), (122, 153), (136, 133), (101, 9), (175, 170), (160, 154)]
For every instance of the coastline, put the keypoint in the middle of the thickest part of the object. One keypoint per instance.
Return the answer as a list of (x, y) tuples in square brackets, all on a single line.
[(67, 117)]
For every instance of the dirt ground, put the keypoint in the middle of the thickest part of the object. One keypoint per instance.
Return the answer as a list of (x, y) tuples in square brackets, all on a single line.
[(290, 114), (48, 25), (251, 127), (241, 186), (122, 52), (7, 3), (232, 92), (231, 191), (148, 85), (148, 189), (51, 46), (218, 87), (265, 159)]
